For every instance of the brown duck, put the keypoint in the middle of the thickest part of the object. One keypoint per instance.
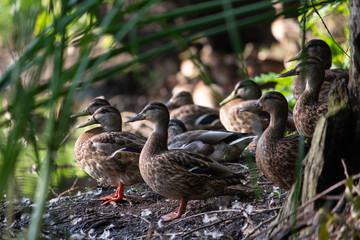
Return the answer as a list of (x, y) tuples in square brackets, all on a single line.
[(107, 154), (182, 107), (276, 155), (308, 109), (179, 174), (245, 93)]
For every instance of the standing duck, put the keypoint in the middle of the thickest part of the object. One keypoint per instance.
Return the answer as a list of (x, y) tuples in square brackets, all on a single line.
[(276, 155), (221, 146), (320, 49), (245, 93), (179, 174), (182, 107), (308, 109), (107, 154)]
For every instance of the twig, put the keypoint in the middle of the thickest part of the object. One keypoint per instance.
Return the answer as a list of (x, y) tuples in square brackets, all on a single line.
[(264, 210), (72, 188), (345, 168), (317, 12), (259, 226)]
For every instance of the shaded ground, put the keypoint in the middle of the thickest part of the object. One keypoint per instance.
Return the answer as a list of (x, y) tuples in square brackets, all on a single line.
[(81, 216)]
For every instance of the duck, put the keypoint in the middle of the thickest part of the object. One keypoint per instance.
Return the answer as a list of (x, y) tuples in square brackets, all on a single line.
[(308, 108), (245, 93), (182, 107), (221, 146), (107, 154), (142, 129), (276, 155), (320, 49), (178, 174)]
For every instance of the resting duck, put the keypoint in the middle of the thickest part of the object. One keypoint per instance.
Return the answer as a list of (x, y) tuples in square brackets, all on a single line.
[(320, 49), (308, 109), (276, 155), (221, 146), (179, 174), (107, 154), (245, 93), (182, 107)]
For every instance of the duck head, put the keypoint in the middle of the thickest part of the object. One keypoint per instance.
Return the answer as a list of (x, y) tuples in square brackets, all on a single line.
[(246, 89), (108, 117), (155, 112), (92, 107), (269, 102), (315, 48), (179, 99)]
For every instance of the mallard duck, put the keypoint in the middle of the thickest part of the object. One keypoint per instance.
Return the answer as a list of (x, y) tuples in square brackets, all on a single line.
[(142, 129), (182, 107), (107, 154), (320, 49), (178, 174), (220, 146), (276, 155), (308, 109), (245, 93)]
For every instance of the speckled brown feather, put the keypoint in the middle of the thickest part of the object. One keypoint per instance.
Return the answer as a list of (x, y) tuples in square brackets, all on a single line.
[(276, 158), (306, 115), (245, 122)]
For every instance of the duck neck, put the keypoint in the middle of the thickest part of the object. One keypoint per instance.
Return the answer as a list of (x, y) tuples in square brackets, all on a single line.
[(112, 128), (157, 141), (311, 94), (277, 126), (314, 81)]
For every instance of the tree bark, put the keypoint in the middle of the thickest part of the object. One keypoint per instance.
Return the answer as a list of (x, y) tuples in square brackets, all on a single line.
[(336, 138)]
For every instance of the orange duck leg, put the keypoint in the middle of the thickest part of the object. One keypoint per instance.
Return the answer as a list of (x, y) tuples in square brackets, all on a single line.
[(118, 196), (176, 214)]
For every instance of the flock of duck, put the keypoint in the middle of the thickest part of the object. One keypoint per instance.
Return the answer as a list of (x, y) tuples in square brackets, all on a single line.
[(182, 158)]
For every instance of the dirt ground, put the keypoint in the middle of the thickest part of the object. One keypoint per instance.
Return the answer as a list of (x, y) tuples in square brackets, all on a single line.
[(80, 216)]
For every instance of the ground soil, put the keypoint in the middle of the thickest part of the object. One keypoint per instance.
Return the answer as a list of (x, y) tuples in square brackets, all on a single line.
[(80, 216)]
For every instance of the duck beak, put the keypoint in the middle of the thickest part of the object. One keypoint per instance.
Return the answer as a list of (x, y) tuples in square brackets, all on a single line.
[(169, 104), (292, 72), (138, 117), (228, 98), (90, 121), (252, 108), (84, 112)]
